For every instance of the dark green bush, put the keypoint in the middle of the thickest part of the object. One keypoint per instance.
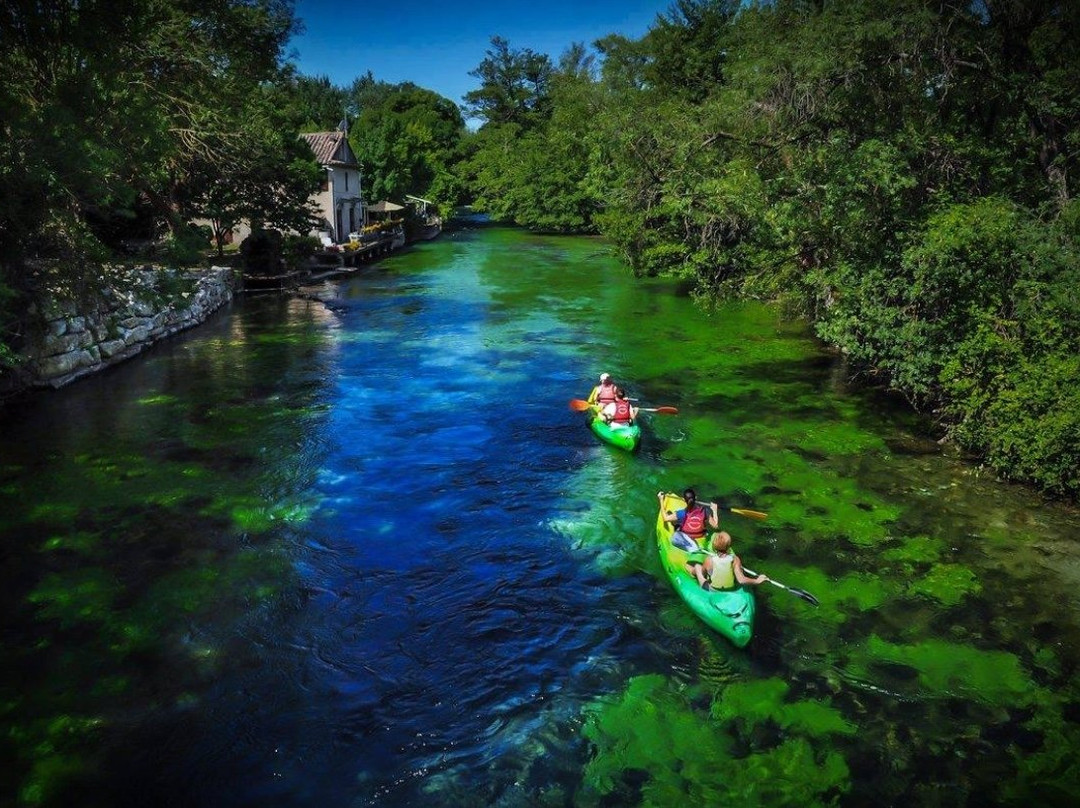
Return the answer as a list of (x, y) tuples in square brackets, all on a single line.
[(297, 250), (187, 246)]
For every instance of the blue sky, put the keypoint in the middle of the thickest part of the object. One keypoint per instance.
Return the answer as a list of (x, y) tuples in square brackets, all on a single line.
[(435, 45)]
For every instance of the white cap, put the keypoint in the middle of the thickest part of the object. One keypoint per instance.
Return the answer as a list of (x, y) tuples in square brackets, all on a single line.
[(605, 376)]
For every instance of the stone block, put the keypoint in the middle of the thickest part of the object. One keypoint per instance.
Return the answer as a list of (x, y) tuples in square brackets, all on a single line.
[(137, 334), (63, 364), (112, 347), (66, 343)]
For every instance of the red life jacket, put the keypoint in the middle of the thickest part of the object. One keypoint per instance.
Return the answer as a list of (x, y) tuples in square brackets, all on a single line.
[(693, 522), (605, 393), (622, 412)]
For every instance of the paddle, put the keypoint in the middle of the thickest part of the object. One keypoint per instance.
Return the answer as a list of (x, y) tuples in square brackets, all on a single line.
[(578, 405), (799, 593), (749, 514)]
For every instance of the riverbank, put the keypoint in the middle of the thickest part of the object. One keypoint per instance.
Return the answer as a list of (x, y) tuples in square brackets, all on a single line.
[(71, 337)]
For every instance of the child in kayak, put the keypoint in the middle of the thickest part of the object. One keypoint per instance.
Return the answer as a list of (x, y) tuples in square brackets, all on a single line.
[(723, 569)]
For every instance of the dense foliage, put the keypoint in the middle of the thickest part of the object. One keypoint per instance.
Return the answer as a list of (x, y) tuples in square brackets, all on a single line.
[(406, 138), (124, 119), (898, 170)]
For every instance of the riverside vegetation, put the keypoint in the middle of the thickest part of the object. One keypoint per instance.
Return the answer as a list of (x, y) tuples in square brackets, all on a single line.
[(897, 171)]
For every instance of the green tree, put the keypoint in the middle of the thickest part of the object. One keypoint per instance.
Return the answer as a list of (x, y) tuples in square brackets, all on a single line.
[(405, 138), (108, 103), (514, 86), (312, 103), (266, 179)]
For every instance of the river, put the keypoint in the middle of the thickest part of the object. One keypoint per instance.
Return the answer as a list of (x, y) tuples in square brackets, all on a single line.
[(353, 548)]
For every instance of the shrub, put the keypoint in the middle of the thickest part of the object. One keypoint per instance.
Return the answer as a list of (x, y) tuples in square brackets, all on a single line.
[(297, 250), (187, 245)]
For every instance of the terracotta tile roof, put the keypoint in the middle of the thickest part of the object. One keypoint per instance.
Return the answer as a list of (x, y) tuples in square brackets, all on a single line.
[(330, 148)]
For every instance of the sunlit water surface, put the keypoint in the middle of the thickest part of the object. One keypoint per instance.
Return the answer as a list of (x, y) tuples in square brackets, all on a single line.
[(354, 549)]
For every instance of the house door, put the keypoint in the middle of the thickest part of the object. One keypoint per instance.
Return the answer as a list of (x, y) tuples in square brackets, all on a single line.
[(340, 227)]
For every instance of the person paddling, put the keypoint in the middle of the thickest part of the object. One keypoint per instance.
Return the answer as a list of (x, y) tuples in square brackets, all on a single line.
[(722, 568), (691, 524), (604, 393), (620, 411)]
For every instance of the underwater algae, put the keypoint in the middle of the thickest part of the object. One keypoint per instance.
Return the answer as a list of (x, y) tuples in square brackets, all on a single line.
[(143, 549), (655, 748), (944, 669)]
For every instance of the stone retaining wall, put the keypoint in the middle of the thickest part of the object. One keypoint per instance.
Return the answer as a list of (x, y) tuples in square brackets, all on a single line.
[(133, 311)]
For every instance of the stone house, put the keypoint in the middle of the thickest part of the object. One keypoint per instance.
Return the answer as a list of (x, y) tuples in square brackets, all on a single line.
[(339, 200)]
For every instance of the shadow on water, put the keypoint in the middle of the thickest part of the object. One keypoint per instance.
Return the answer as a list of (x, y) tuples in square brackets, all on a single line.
[(354, 549)]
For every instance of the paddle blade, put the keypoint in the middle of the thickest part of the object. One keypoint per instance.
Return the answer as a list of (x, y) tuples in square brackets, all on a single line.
[(666, 410), (799, 593), (748, 513), (577, 405)]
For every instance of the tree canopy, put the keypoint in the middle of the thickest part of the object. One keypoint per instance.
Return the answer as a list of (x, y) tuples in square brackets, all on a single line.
[(901, 172)]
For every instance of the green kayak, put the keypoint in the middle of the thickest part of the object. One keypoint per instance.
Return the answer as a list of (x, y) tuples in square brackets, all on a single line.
[(728, 611), (622, 435)]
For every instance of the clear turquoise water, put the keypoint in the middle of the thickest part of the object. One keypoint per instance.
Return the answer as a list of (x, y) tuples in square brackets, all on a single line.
[(354, 549)]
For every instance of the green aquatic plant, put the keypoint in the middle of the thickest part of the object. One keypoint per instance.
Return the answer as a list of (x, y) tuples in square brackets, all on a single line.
[(81, 542), (83, 595), (54, 752), (652, 748), (945, 670), (1052, 768), (250, 514), (161, 398), (748, 703), (916, 549), (824, 504), (946, 583), (840, 597)]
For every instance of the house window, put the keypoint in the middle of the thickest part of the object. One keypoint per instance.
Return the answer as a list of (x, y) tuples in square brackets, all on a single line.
[(346, 180)]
